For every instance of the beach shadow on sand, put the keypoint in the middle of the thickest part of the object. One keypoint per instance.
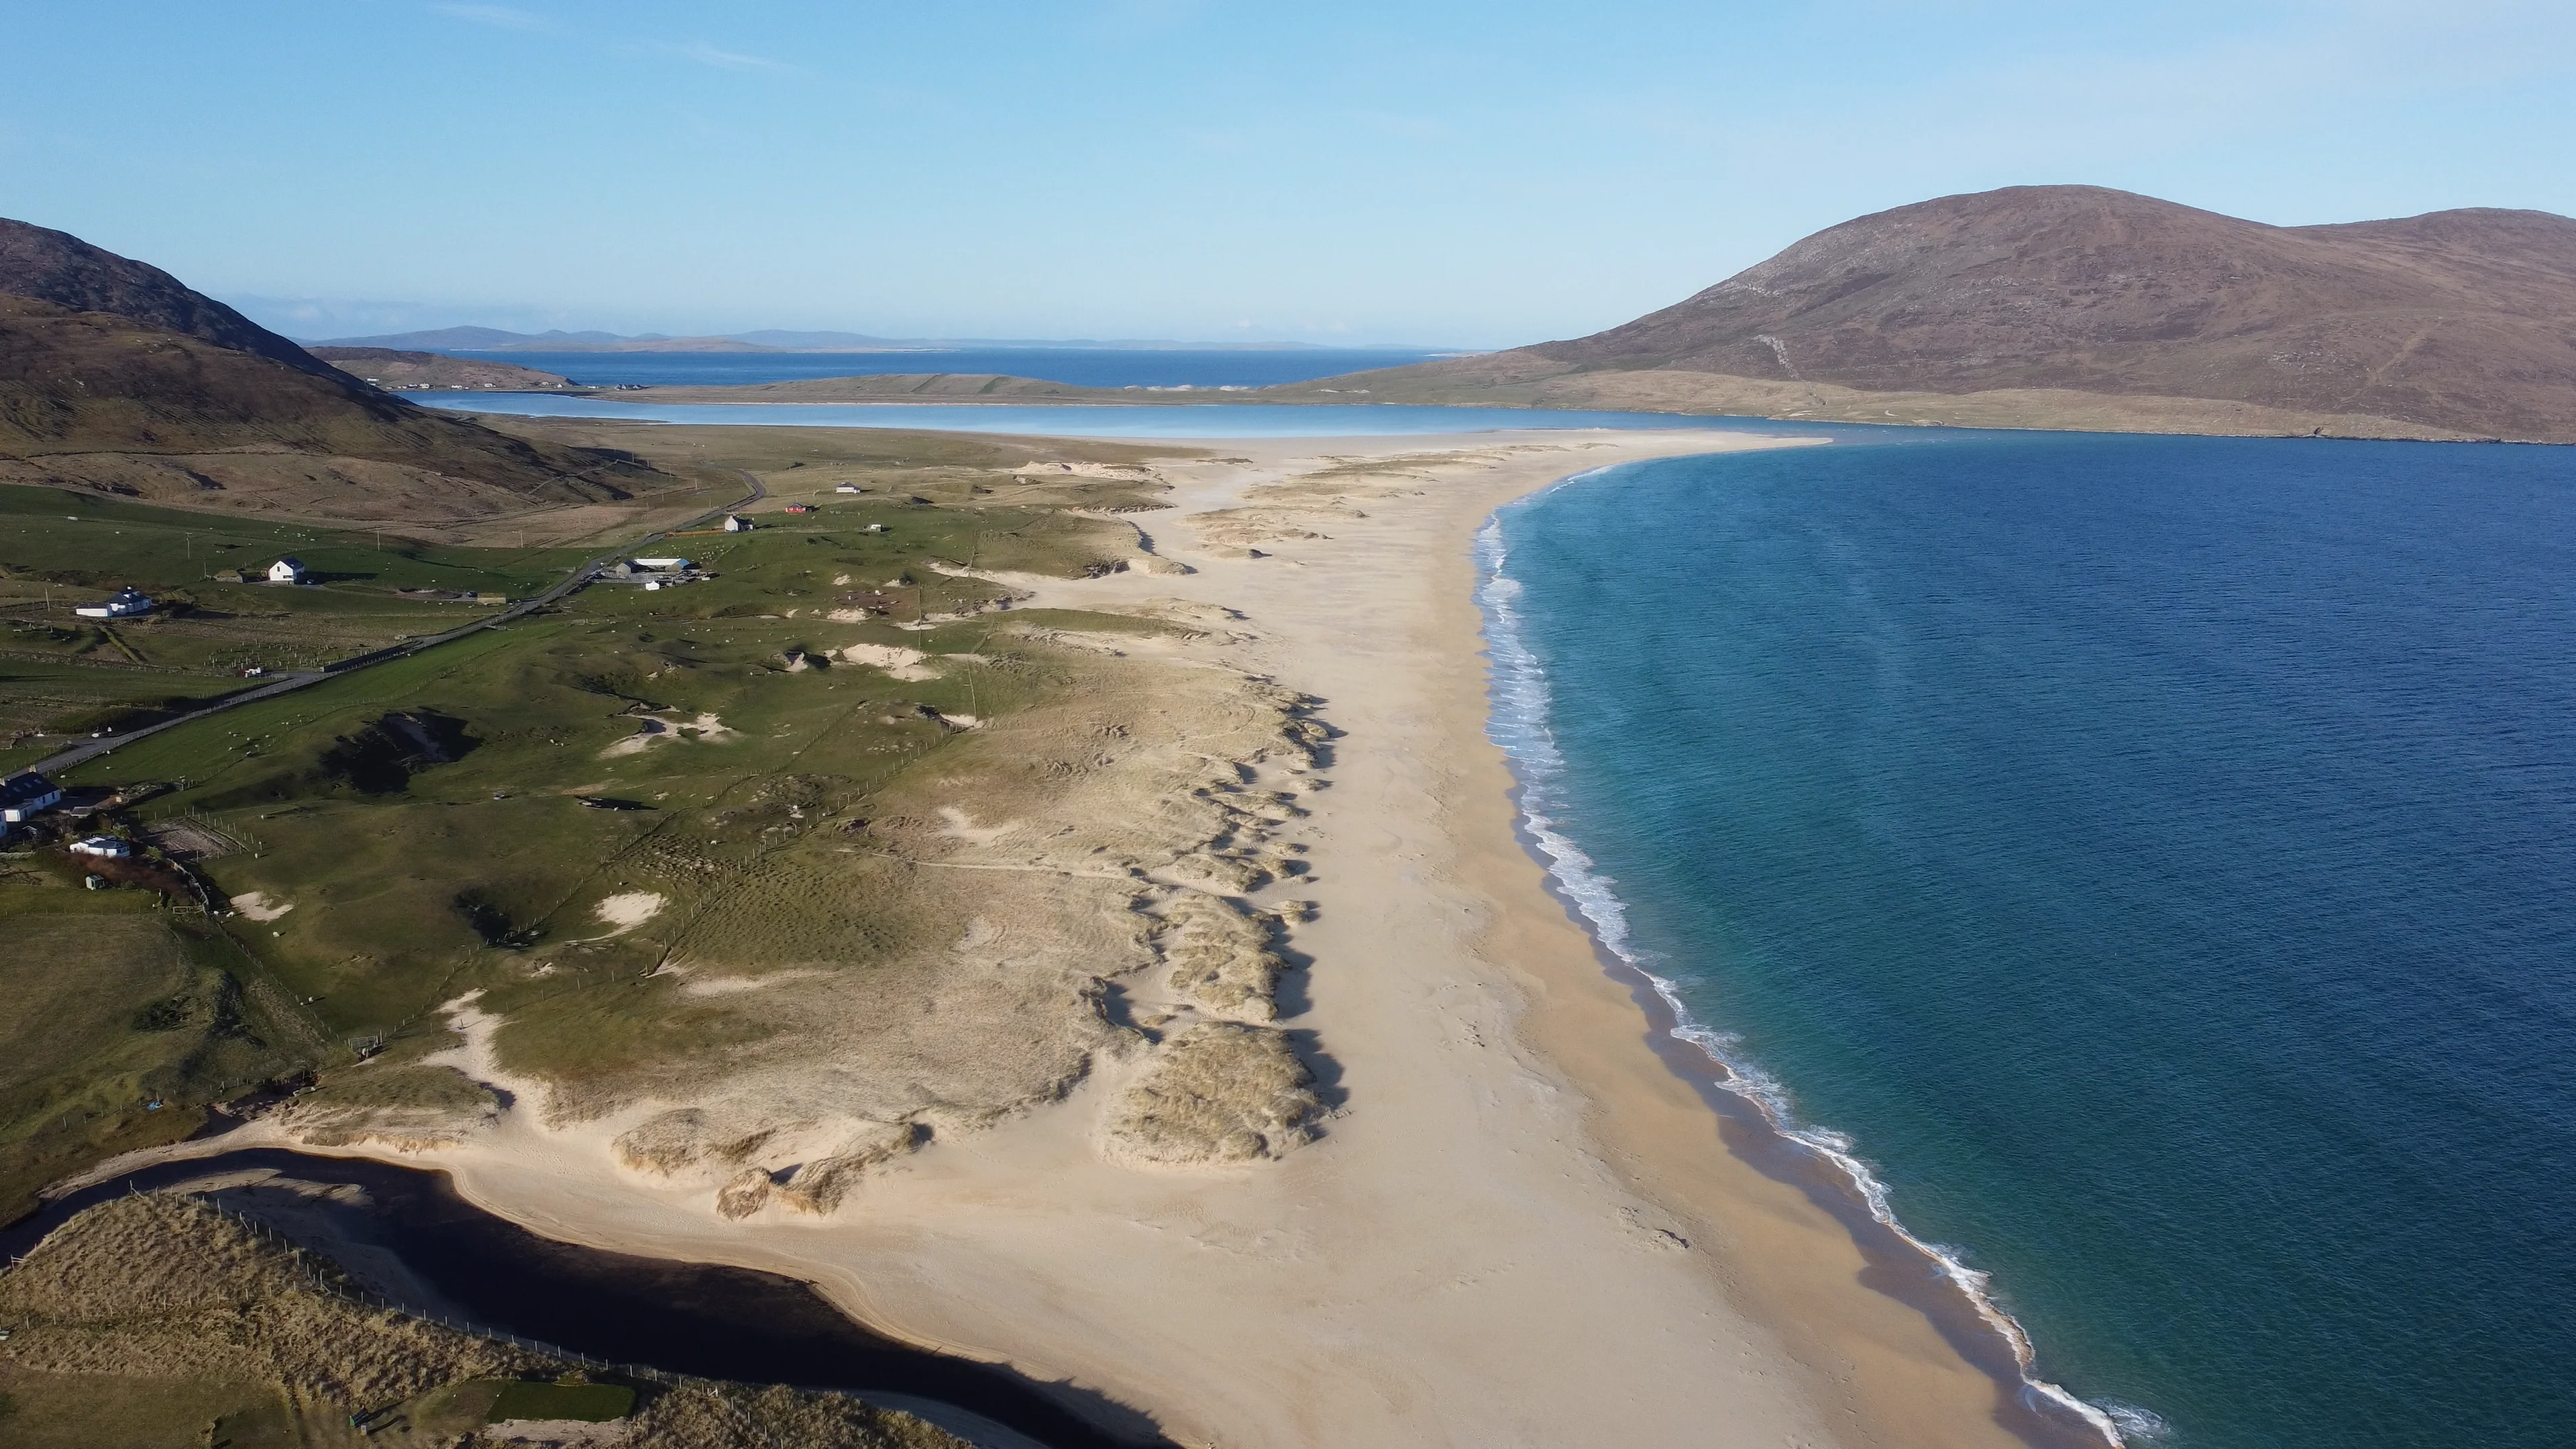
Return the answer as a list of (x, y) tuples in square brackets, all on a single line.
[(415, 1243)]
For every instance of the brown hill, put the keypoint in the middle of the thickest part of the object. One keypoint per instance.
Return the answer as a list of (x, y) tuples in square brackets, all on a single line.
[(2080, 306), (115, 376), (394, 369), (57, 267)]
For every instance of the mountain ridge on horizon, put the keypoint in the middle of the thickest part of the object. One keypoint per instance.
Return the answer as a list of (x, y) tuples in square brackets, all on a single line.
[(2089, 308)]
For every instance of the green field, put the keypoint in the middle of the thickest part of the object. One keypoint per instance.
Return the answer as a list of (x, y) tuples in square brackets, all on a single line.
[(590, 1403), (108, 1005), (487, 814), (623, 744), (64, 675)]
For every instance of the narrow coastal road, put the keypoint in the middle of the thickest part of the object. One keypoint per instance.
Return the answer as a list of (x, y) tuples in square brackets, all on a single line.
[(89, 750)]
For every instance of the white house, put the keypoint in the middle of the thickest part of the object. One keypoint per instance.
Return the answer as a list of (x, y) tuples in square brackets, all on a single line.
[(736, 523), (849, 488), (27, 795), (286, 571), (127, 604), (662, 565), (107, 846)]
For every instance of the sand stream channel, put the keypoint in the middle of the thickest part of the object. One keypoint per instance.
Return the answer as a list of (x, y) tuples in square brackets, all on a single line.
[(410, 1241)]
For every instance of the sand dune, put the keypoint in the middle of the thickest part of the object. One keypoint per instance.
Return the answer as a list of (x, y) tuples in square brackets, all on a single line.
[(1361, 1145)]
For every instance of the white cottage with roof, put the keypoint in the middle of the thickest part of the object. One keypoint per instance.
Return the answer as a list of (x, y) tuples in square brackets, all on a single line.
[(27, 795), (127, 604)]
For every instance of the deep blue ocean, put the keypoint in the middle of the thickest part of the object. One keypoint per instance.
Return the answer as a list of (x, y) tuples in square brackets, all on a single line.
[(2154, 858), (1080, 366)]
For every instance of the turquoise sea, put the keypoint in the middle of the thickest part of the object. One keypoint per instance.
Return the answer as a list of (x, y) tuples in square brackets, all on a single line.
[(2143, 868)]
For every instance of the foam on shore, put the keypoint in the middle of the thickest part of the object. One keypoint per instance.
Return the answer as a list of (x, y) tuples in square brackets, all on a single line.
[(1520, 725)]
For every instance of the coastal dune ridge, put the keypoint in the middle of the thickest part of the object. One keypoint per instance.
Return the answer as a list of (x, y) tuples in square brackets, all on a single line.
[(1473, 1204), (1520, 728)]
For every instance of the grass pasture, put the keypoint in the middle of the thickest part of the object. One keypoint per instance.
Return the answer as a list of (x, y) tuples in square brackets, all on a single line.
[(628, 781), (106, 1005), (961, 470), (64, 675), (589, 1403), (134, 1411), (84, 541)]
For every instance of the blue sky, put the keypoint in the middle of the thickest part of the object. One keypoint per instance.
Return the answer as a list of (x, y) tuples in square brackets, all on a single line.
[(1472, 174)]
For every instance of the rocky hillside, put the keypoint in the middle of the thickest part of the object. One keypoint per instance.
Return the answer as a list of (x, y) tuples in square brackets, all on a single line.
[(116, 376), (2075, 305), (57, 267)]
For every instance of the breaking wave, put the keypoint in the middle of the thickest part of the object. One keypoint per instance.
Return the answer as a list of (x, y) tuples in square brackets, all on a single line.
[(1519, 722)]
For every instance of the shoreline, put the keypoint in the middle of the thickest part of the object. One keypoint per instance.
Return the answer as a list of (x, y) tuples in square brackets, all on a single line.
[(1764, 1128), (2013, 411), (1523, 1229)]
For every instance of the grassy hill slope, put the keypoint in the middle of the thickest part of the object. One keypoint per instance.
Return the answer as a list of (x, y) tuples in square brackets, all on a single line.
[(116, 378), (2080, 306)]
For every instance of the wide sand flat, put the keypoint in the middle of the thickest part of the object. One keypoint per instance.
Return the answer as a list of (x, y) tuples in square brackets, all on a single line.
[(1519, 1228)]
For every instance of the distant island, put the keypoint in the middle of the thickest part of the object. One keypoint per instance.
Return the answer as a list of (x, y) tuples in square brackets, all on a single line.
[(494, 339), (399, 371), (2087, 308)]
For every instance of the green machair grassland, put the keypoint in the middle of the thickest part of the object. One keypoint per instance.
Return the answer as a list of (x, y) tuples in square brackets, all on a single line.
[(455, 820)]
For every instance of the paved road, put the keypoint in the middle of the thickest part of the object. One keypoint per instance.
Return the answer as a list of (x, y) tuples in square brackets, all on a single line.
[(92, 749)]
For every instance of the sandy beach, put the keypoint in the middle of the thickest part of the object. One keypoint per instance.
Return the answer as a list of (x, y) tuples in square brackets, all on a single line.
[(1519, 1226)]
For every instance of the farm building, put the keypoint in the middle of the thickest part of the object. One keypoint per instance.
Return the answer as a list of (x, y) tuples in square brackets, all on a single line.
[(286, 571), (26, 796), (107, 846), (648, 572), (800, 507), (849, 488), (736, 523), (662, 565), (127, 604)]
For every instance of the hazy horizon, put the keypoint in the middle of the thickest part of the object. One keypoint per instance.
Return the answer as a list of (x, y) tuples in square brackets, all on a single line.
[(280, 315), (1341, 175)]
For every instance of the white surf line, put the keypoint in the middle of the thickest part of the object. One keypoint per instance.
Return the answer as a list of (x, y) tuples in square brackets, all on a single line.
[(1518, 724)]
